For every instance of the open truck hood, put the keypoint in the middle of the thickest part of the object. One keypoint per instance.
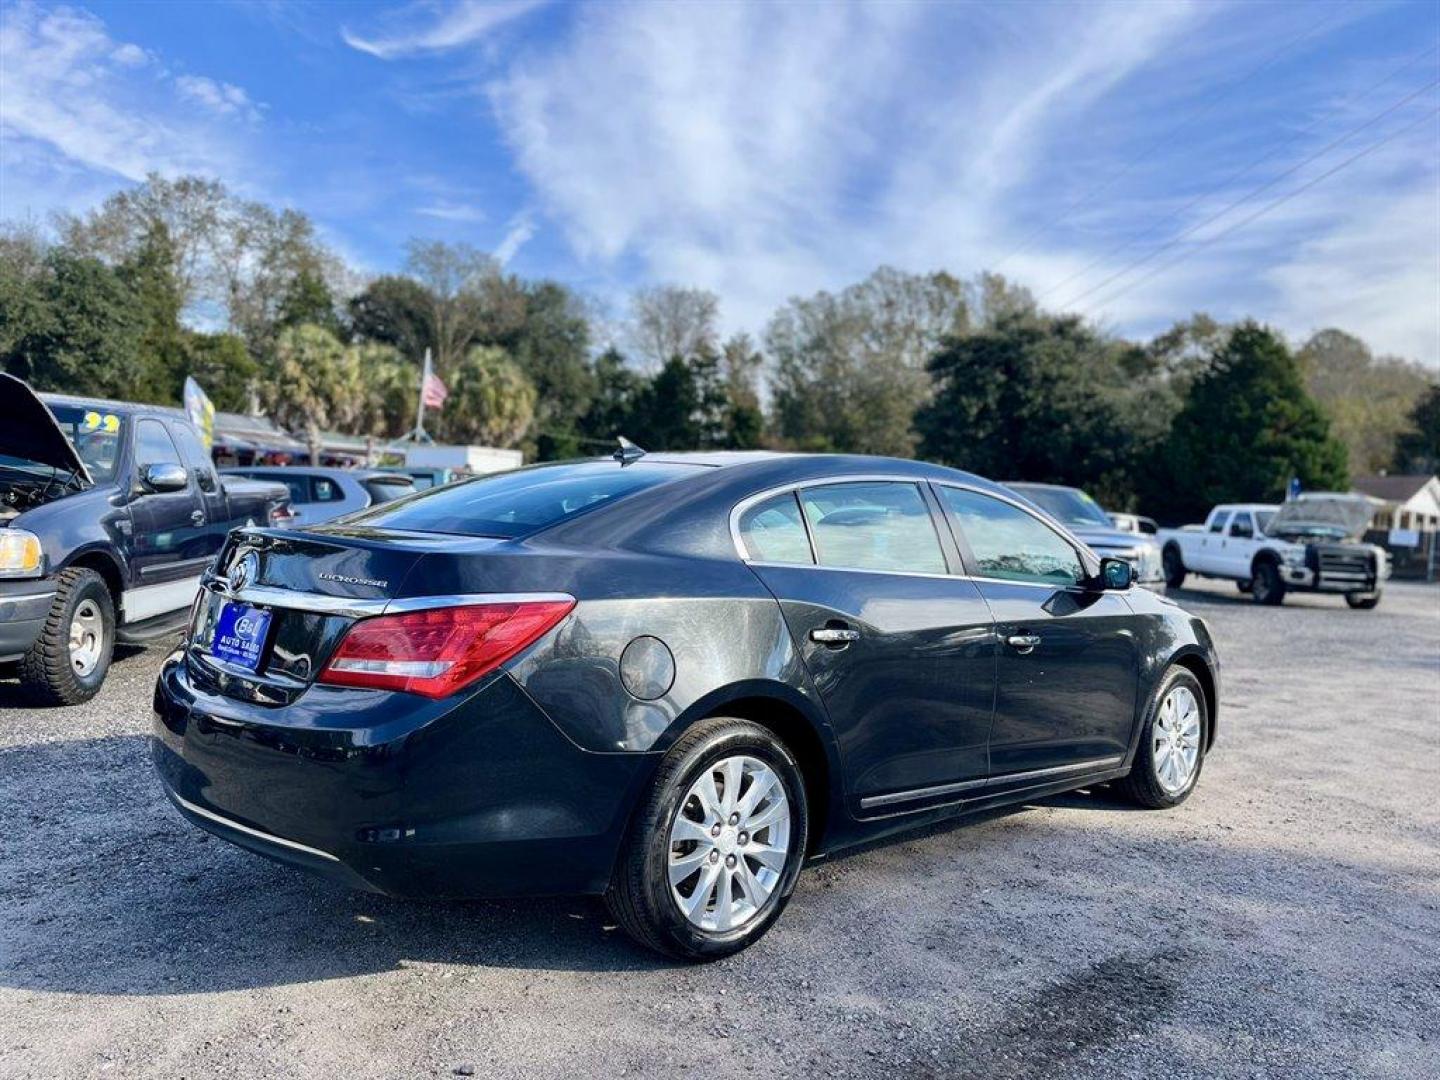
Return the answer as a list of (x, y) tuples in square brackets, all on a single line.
[(30, 430), (1350, 512)]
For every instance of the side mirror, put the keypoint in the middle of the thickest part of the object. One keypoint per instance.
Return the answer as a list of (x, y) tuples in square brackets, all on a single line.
[(1116, 574), (164, 477)]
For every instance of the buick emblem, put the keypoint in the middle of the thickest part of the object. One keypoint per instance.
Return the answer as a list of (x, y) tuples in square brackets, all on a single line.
[(243, 571)]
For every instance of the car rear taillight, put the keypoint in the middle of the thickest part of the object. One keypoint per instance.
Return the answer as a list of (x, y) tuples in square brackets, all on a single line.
[(440, 650)]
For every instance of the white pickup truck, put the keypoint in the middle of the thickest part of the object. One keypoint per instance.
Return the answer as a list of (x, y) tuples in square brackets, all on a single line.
[(1309, 544)]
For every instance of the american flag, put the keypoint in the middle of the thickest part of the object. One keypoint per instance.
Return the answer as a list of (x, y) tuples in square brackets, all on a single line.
[(432, 391)]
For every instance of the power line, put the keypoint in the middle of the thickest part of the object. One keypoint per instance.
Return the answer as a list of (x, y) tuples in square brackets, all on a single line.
[(1273, 204), (1129, 163), (1244, 170), (1173, 241)]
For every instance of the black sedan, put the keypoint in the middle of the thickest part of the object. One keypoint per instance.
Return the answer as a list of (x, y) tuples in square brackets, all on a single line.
[(668, 680)]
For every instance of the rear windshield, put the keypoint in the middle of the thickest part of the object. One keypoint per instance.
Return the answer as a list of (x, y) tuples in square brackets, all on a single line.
[(1069, 506), (522, 502), (385, 488)]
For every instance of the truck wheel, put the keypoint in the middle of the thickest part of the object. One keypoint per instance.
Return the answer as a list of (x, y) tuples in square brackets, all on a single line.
[(1245, 586), (1174, 567), (1362, 601), (1172, 744), (69, 659), (1266, 586)]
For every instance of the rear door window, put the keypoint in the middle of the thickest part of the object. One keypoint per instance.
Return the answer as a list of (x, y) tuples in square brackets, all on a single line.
[(882, 525), (323, 489), (524, 501), (774, 532), (386, 490), (1217, 521)]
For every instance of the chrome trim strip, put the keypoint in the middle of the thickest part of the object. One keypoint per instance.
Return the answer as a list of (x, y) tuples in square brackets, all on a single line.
[(920, 793), (362, 607), (1094, 764), (229, 823), (1056, 770)]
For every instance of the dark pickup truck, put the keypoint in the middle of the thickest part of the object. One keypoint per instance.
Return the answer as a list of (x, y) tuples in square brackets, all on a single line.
[(109, 512)]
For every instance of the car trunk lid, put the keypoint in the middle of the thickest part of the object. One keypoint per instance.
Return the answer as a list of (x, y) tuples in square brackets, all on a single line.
[(308, 587)]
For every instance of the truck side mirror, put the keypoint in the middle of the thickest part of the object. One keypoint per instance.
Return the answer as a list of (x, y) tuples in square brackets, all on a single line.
[(1116, 574), (165, 476)]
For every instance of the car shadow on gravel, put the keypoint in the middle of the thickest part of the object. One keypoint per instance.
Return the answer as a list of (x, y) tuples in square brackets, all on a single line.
[(104, 889), (11, 696)]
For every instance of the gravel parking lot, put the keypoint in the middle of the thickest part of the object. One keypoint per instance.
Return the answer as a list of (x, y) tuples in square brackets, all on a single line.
[(1284, 922)]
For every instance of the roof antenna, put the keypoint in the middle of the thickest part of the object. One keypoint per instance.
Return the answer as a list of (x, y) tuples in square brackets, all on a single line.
[(627, 451)]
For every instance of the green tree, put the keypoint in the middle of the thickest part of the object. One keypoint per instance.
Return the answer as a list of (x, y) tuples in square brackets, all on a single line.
[(223, 367), (849, 368), (1418, 449), (491, 401), (1041, 398), (393, 310), (313, 384), (25, 286), (391, 385), (551, 344), (1246, 428), (150, 272), (1369, 399), (83, 329), (744, 420), (614, 407), (307, 299)]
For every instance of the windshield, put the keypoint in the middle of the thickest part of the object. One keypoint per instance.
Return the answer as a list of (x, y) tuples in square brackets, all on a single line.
[(1263, 519), (1069, 506), (521, 502), (96, 437)]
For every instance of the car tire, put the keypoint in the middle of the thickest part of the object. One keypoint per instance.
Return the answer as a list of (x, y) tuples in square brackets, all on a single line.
[(68, 661), (1174, 564), (1245, 586), (1362, 601), (1168, 736), (647, 892), (1266, 585)]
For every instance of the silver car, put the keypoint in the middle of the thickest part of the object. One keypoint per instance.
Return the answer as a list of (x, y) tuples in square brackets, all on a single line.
[(319, 494), (1082, 515)]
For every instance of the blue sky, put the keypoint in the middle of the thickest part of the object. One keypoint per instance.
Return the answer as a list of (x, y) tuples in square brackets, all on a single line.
[(1091, 151)]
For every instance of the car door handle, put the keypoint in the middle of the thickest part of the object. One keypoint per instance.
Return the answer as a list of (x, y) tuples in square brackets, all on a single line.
[(197, 516), (834, 635), (1023, 643)]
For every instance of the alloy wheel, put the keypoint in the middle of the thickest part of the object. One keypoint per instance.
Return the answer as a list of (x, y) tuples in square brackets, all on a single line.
[(729, 843), (1175, 745), (87, 637)]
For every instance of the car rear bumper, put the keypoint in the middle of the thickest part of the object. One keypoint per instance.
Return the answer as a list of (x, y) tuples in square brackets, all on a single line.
[(478, 797), (23, 607)]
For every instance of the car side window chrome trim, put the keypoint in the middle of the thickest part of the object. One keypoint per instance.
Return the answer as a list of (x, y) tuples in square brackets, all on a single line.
[(962, 574), (1092, 764)]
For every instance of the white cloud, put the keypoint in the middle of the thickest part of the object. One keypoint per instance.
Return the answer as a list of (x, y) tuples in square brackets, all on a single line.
[(522, 228), (761, 150), (767, 150), (79, 110), (452, 211), (223, 98), (417, 29)]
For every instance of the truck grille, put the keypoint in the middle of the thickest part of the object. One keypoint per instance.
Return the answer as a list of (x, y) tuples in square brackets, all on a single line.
[(1347, 566)]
